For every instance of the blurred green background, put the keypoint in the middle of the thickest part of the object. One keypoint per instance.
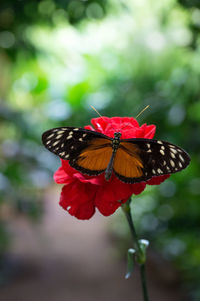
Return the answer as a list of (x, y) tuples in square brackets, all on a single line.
[(58, 57)]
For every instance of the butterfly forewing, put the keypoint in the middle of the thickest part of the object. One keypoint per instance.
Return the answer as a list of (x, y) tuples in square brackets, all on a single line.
[(157, 157), (84, 149)]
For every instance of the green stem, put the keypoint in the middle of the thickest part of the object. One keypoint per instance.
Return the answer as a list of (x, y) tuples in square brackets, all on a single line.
[(144, 283), (140, 257)]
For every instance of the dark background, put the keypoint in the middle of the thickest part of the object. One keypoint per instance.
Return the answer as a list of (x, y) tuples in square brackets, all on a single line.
[(59, 57)]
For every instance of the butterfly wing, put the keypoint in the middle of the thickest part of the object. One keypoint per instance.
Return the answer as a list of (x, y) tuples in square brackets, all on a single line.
[(138, 160), (87, 151)]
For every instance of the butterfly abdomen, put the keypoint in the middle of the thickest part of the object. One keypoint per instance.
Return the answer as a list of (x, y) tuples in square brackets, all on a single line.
[(109, 169), (115, 146)]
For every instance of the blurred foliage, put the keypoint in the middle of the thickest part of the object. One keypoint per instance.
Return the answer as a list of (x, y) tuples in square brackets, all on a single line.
[(193, 6), (17, 16), (57, 58)]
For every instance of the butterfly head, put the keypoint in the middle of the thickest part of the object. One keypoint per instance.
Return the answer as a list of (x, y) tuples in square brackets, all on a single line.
[(117, 135)]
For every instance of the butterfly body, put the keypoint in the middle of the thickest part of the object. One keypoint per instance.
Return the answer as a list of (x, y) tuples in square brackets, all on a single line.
[(132, 160)]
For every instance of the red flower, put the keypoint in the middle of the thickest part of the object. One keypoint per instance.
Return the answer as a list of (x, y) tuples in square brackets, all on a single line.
[(81, 194)]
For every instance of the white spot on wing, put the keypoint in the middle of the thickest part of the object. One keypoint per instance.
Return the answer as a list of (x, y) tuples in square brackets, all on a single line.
[(181, 158), (60, 132), (69, 137), (172, 155), (172, 163), (58, 137), (55, 143), (162, 152), (50, 136), (159, 142), (173, 150)]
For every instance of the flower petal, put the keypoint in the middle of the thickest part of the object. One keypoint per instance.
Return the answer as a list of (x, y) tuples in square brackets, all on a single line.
[(108, 208), (149, 131), (89, 127), (89, 179), (61, 177), (77, 199), (100, 123), (79, 176), (157, 180), (109, 195), (137, 188)]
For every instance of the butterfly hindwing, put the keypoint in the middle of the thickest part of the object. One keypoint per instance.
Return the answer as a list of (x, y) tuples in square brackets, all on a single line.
[(154, 158), (128, 163), (87, 151)]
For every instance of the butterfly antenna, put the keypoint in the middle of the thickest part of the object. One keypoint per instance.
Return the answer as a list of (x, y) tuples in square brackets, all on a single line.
[(142, 111), (136, 116), (96, 111)]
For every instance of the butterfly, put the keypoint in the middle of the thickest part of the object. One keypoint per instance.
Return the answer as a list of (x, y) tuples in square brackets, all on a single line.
[(132, 160)]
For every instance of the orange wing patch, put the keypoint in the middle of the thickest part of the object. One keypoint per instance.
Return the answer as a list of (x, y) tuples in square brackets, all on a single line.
[(96, 155), (127, 161)]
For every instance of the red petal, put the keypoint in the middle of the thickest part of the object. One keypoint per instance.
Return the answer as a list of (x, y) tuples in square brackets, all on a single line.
[(150, 131), (67, 168), (89, 127), (88, 179), (109, 195), (77, 199), (124, 121), (132, 121), (157, 180), (61, 177), (137, 188), (108, 208), (100, 123), (73, 173)]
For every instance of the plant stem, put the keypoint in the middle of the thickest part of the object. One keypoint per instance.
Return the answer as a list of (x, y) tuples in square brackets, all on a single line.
[(140, 256), (144, 283)]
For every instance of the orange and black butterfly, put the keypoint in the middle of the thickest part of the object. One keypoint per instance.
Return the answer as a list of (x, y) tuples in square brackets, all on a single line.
[(132, 160)]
